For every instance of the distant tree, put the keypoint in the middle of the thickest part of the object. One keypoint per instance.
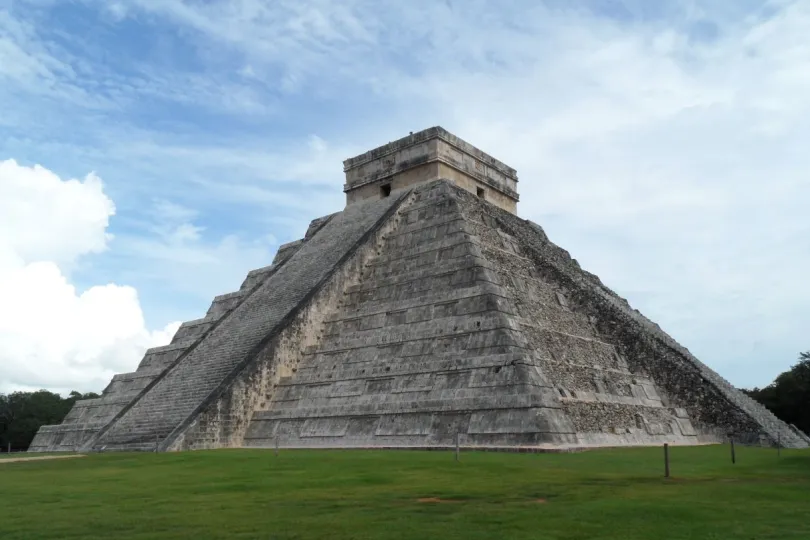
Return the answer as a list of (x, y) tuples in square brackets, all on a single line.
[(7, 411), (23, 413), (788, 397)]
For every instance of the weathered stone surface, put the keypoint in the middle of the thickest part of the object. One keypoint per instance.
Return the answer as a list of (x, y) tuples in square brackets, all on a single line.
[(412, 318), (426, 156), (194, 382), (424, 345), (88, 418)]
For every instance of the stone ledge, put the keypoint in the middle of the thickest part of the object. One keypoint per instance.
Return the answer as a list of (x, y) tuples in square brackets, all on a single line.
[(228, 296), (171, 347), (262, 270), (425, 135), (70, 428), (198, 322), (371, 406)]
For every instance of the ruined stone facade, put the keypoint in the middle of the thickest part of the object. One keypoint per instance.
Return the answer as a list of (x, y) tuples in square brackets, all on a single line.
[(425, 310)]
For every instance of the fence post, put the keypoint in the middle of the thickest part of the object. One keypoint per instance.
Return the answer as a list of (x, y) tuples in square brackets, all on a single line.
[(276, 439), (779, 444), (666, 460), (733, 454), (458, 436)]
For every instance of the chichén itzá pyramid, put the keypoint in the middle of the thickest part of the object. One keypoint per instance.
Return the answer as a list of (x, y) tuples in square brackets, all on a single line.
[(425, 310)]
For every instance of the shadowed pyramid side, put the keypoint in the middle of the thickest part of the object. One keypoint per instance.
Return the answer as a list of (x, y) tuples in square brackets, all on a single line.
[(684, 399), (607, 402)]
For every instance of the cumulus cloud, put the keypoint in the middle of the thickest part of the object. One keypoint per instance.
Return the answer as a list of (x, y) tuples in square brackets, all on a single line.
[(662, 143), (51, 334)]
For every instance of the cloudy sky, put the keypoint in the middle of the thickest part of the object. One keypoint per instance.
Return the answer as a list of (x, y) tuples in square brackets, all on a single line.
[(154, 151)]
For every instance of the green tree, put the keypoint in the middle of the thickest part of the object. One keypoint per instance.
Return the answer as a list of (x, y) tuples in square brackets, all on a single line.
[(23, 413), (788, 397)]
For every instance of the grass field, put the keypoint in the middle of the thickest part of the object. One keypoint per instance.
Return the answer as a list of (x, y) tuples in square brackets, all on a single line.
[(609, 494)]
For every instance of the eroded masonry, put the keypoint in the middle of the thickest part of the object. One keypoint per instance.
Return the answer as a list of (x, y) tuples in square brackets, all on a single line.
[(425, 310)]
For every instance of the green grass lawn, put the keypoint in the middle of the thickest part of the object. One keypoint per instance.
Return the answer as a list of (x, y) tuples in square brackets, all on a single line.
[(605, 494)]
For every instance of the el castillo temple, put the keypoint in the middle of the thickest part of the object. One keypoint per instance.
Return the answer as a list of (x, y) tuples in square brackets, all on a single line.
[(426, 310)]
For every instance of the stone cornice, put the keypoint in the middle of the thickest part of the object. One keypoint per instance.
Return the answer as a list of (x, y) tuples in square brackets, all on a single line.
[(435, 132)]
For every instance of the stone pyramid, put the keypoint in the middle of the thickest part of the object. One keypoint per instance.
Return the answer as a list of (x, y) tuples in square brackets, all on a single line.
[(425, 311)]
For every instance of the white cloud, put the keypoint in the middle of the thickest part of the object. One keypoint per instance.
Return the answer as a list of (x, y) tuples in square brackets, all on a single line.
[(52, 335), (663, 144), (172, 247), (671, 169), (36, 204), (117, 11)]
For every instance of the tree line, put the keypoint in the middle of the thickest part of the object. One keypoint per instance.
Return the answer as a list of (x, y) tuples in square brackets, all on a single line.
[(23, 413), (788, 397)]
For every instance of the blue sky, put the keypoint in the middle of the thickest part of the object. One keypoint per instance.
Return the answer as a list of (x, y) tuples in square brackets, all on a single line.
[(662, 143)]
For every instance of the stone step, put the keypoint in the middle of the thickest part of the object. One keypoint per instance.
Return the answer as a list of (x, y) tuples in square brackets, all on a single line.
[(419, 286), (442, 268), (317, 224), (314, 369), (287, 251), (350, 310), (193, 330), (256, 277), (454, 246), (375, 405)]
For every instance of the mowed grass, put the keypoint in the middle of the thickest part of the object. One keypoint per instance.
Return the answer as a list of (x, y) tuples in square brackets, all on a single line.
[(607, 494)]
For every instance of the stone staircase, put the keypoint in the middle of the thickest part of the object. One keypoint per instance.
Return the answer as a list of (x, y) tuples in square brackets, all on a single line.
[(89, 418), (255, 312)]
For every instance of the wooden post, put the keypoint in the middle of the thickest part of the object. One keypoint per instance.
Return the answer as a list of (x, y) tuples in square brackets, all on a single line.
[(157, 443), (458, 436), (9, 447), (779, 444), (666, 460), (276, 445), (733, 454)]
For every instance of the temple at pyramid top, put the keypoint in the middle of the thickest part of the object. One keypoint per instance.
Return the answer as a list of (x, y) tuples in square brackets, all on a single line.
[(426, 156)]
